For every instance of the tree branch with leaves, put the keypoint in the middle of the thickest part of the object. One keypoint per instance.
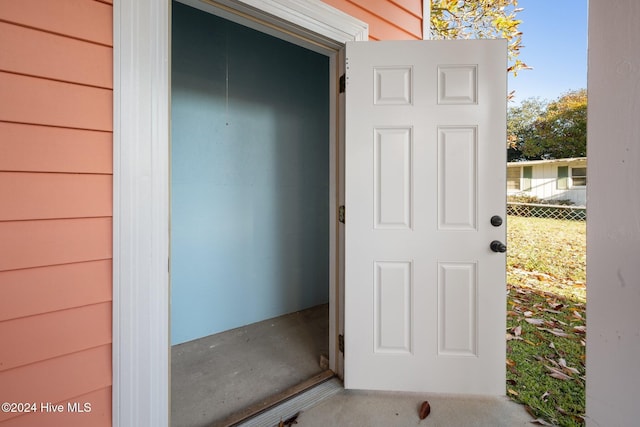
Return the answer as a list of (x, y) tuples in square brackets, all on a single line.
[(480, 19), (548, 130)]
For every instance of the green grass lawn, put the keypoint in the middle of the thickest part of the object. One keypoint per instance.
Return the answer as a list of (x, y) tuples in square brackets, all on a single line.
[(546, 282)]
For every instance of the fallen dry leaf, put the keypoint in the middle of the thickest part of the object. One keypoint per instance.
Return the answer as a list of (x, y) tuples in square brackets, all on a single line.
[(536, 322), (563, 363), (517, 331), (511, 337), (555, 305), (571, 370), (290, 421), (512, 391), (425, 410), (555, 373), (556, 332), (559, 375), (541, 422)]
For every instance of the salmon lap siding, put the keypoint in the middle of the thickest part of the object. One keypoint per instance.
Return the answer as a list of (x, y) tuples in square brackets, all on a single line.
[(387, 19), (56, 84)]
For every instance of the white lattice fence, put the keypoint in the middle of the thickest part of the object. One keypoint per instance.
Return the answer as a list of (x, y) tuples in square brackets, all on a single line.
[(576, 213)]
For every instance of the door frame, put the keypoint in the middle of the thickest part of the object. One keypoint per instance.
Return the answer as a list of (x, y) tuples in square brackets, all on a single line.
[(141, 178)]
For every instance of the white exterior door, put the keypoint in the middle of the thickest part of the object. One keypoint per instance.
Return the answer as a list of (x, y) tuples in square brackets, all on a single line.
[(425, 172)]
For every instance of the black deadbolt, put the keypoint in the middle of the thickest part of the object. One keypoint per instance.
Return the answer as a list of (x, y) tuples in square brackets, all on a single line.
[(496, 221)]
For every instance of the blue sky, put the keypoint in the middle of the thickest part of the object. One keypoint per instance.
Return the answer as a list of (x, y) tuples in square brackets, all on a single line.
[(555, 40)]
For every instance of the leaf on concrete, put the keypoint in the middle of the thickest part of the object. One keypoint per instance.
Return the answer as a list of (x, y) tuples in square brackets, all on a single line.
[(425, 410), (292, 420)]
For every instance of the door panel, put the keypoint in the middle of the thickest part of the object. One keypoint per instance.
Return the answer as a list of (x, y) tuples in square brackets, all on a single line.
[(425, 171)]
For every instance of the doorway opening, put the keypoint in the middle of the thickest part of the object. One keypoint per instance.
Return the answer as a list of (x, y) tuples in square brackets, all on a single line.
[(547, 218), (250, 216)]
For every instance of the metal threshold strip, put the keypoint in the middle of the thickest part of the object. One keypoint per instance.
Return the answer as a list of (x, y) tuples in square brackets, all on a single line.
[(285, 404)]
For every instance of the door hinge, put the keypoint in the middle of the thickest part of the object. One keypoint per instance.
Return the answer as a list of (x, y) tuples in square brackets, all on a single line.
[(343, 83), (341, 214), (341, 343)]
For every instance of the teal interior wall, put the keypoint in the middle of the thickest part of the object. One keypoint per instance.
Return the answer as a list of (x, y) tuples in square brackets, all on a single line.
[(249, 176)]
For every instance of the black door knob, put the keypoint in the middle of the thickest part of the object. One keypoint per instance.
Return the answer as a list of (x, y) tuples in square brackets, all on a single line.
[(497, 246), (496, 221)]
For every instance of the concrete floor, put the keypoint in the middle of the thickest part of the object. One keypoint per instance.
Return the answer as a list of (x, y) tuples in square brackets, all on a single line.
[(387, 409), (216, 376)]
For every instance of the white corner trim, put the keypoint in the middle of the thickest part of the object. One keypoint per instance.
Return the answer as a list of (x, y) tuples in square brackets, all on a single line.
[(141, 363), (426, 20), (141, 213)]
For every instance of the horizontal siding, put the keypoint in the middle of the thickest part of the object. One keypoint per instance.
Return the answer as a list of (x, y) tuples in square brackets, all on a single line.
[(27, 244), (35, 148), (55, 57), (388, 20), (54, 195), (394, 14), (82, 19), (56, 80), (57, 379), (412, 6), (38, 338), (100, 415), (53, 103), (60, 287)]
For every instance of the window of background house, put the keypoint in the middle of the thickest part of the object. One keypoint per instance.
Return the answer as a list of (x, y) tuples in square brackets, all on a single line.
[(562, 181), (527, 174), (578, 177), (513, 178)]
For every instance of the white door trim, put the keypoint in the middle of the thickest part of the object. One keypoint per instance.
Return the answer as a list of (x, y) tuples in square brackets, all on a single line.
[(141, 124)]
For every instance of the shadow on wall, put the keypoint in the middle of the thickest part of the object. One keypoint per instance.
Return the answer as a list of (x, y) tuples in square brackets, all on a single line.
[(249, 176)]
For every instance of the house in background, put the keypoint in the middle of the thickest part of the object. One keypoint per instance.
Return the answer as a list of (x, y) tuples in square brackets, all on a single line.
[(77, 182), (559, 179)]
